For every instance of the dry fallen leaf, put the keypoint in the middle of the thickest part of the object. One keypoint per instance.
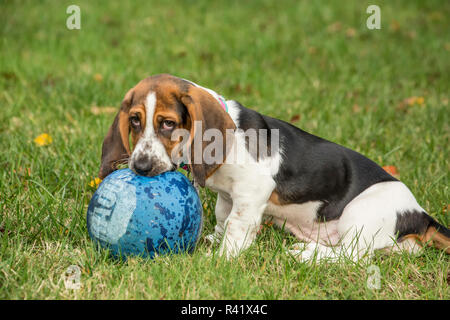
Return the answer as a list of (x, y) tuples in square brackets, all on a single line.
[(392, 170), (350, 33), (414, 100), (356, 108), (43, 139), (412, 35), (23, 171), (312, 50), (411, 101), (335, 27), (446, 209), (295, 118), (103, 110), (395, 26), (98, 77)]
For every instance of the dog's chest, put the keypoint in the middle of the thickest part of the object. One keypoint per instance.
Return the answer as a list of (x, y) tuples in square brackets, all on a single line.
[(241, 174), (241, 181)]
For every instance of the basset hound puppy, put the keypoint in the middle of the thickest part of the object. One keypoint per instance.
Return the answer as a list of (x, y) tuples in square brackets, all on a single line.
[(337, 201)]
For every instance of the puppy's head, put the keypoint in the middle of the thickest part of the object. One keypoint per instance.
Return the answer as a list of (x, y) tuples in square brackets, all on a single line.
[(150, 113)]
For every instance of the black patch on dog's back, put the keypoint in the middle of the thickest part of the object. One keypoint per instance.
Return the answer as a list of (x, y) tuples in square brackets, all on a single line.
[(314, 169), (250, 119)]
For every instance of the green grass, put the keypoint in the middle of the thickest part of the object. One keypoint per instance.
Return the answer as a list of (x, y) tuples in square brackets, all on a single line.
[(312, 60)]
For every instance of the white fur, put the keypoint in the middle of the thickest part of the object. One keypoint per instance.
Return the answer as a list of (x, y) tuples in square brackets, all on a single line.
[(367, 224), (150, 105), (244, 185)]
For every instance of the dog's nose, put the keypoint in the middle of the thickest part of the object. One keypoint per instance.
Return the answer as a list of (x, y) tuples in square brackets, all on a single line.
[(142, 166)]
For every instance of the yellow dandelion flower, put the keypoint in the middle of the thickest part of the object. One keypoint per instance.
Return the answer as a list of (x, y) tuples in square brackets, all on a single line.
[(415, 101), (420, 100), (94, 183), (43, 139)]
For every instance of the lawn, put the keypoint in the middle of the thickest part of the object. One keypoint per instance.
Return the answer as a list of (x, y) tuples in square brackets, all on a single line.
[(384, 93)]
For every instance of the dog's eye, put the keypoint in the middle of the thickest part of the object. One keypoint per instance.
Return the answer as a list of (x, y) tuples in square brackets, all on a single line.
[(168, 125), (135, 122)]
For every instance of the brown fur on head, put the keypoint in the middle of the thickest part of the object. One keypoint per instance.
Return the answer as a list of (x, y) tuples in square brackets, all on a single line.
[(116, 146), (177, 104)]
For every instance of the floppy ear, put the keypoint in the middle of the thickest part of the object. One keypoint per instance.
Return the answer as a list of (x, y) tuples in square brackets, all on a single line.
[(205, 110), (116, 145)]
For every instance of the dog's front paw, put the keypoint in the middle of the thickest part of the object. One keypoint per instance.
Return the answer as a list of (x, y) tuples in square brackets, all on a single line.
[(213, 238), (228, 252)]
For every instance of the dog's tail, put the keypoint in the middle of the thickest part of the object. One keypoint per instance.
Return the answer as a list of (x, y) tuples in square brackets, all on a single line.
[(424, 229), (436, 235)]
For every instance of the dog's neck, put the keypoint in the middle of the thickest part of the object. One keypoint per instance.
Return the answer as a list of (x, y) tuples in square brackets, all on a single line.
[(222, 101)]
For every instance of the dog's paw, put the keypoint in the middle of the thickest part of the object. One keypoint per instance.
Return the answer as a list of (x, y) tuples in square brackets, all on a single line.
[(209, 253), (303, 252), (315, 253), (213, 238)]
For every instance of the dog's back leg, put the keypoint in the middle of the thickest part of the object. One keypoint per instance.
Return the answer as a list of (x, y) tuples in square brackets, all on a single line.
[(384, 216)]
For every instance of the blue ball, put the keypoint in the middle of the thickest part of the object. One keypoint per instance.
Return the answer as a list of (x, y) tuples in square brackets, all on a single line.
[(135, 215)]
